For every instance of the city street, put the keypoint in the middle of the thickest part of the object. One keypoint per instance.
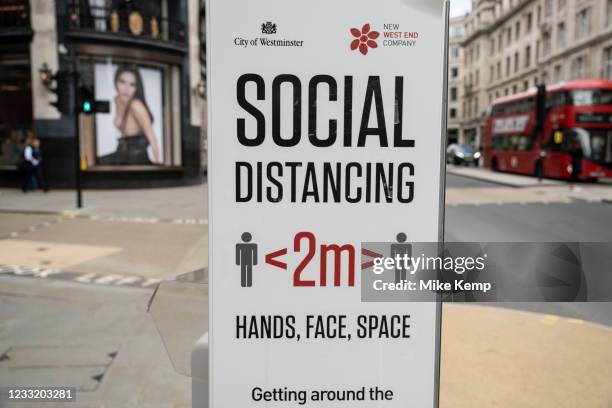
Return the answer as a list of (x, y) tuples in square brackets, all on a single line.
[(75, 287)]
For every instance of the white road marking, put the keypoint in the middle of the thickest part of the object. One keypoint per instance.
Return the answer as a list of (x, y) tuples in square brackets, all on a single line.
[(108, 279), (150, 281), (86, 278)]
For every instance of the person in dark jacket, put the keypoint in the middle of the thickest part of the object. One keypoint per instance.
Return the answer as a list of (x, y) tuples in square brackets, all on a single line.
[(32, 166)]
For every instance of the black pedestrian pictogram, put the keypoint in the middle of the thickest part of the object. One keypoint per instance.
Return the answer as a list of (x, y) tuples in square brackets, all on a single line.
[(246, 258), (401, 249)]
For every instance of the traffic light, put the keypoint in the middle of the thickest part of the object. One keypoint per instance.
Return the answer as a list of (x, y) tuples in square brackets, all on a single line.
[(63, 91), (88, 104), (87, 99)]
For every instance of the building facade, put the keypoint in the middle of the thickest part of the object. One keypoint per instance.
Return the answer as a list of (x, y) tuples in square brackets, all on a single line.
[(512, 45), (142, 57), (455, 71)]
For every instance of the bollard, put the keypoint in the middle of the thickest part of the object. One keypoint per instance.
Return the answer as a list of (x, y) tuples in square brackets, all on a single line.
[(199, 373)]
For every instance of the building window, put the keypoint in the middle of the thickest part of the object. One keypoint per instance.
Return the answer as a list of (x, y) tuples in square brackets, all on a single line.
[(546, 45), (525, 85), (507, 66), (557, 73), (499, 70), (477, 77), (579, 68), (506, 92), (561, 35), (455, 52), (492, 44), (516, 62), (517, 30), (530, 22), (477, 52), (454, 72), (548, 8), (582, 23), (500, 41), (514, 89), (527, 56), (476, 107), (508, 35), (608, 63), (539, 15), (491, 73), (609, 13), (453, 113), (562, 4), (453, 94)]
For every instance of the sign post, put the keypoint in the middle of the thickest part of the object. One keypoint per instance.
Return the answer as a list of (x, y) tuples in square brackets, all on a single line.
[(327, 126)]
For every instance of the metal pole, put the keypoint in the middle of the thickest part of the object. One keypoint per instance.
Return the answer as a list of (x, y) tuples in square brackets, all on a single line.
[(77, 131)]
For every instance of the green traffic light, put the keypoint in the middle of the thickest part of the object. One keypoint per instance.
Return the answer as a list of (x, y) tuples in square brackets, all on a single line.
[(86, 106)]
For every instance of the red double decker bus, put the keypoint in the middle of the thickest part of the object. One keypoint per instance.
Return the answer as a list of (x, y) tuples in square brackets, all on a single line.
[(531, 134)]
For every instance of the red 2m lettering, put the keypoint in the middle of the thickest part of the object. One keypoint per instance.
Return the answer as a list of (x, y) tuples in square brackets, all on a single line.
[(334, 249)]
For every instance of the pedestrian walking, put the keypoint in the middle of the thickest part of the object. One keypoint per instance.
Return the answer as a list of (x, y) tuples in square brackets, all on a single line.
[(33, 174)]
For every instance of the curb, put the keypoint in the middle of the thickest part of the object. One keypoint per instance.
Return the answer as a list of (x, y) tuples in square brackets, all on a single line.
[(38, 212), (502, 183)]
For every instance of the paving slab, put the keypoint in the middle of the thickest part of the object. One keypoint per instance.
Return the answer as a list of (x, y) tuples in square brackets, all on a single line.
[(106, 248), (52, 314), (48, 254), (493, 357), (12, 223), (161, 203)]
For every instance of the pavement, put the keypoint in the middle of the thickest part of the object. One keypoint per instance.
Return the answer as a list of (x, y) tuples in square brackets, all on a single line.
[(177, 204), (75, 290), (99, 339)]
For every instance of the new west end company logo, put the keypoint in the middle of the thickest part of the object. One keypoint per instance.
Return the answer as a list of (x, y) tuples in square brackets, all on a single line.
[(366, 38), (270, 30)]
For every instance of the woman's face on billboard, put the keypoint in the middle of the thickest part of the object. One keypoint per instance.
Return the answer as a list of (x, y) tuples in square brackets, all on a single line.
[(126, 85)]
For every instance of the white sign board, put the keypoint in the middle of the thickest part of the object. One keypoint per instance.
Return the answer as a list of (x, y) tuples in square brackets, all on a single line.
[(511, 124), (325, 131)]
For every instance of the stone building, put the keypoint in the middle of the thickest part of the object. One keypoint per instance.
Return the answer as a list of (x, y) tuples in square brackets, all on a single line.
[(511, 45), (455, 71), (152, 134)]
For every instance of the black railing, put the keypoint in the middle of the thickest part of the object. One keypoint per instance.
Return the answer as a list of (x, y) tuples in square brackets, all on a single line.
[(14, 14), (123, 22)]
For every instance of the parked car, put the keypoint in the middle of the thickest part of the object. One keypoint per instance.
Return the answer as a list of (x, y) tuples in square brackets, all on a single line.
[(462, 154)]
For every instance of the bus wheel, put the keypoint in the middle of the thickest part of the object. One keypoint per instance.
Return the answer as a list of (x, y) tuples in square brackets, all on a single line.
[(539, 170), (494, 164)]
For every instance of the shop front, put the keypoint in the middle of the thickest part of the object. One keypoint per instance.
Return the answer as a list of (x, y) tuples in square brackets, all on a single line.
[(133, 56)]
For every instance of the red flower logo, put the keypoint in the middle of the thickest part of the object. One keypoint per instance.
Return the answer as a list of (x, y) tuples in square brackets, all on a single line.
[(364, 39)]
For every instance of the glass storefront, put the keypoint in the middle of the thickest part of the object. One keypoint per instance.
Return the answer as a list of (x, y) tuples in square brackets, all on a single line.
[(15, 123)]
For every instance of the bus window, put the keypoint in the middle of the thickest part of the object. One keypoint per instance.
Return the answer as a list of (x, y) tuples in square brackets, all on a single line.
[(601, 145), (525, 143), (500, 143), (584, 97)]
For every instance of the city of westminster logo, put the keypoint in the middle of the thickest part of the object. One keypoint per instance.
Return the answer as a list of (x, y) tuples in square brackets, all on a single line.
[(268, 28)]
